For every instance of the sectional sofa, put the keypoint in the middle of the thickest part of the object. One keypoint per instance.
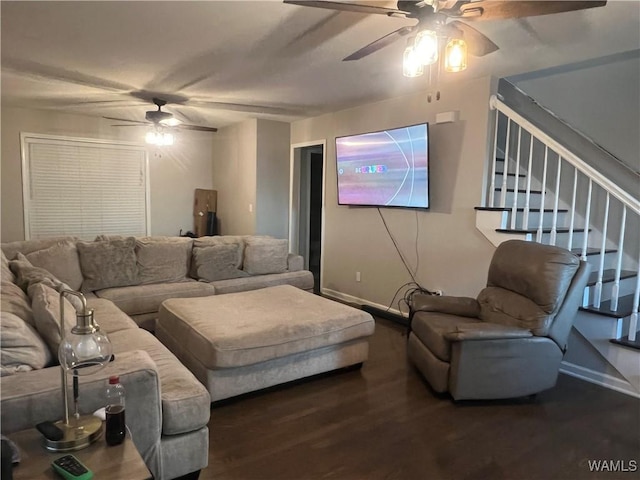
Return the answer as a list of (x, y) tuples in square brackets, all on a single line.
[(125, 280)]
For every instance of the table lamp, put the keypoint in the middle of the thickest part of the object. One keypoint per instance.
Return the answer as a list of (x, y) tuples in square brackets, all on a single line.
[(82, 352)]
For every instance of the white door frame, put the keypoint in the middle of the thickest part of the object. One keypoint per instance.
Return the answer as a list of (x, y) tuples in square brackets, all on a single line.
[(294, 198)]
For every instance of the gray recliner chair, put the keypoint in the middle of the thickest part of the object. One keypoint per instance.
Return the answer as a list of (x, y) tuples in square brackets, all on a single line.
[(508, 342)]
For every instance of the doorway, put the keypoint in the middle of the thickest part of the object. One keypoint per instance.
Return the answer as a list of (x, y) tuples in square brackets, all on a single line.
[(306, 213)]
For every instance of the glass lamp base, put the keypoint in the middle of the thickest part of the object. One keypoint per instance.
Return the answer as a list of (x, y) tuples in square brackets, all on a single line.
[(78, 434)]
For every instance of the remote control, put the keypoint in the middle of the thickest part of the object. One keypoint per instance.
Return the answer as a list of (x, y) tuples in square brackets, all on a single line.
[(69, 467), (50, 431)]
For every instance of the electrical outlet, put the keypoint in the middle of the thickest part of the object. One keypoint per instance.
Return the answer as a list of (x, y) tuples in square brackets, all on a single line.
[(357, 276), (250, 207), (439, 293)]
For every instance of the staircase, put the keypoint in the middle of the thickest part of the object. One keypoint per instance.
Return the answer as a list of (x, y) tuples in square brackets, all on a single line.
[(543, 189)]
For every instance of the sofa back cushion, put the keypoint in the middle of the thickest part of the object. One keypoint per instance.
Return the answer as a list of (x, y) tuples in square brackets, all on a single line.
[(264, 255), (217, 262), (45, 302), (220, 240), (6, 275), (163, 259), (11, 249), (13, 300), (21, 348), (61, 260), (108, 263)]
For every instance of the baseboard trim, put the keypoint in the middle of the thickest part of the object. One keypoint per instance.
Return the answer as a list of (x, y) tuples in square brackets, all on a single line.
[(599, 378), (359, 301)]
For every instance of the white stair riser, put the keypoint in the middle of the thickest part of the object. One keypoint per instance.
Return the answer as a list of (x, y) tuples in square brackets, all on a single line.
[(562, 239), (534, 199), (511, 181), (534, 220), (627, 287), (610, 260)]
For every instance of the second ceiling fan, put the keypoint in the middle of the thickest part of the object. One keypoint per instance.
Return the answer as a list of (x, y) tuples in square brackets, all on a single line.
[(161, 119)]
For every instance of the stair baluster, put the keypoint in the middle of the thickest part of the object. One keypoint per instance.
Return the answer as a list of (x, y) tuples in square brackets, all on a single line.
[(615, 291), (597, 294)]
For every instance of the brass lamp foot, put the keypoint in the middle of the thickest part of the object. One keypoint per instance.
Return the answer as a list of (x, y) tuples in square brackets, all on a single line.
[(78, 434)]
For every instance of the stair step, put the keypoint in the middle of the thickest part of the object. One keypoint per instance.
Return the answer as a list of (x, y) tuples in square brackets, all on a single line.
[(625, 342), (519, 209), (625, 308), (520, 190), (609, 275), (535, 230), (520, 175), (592, 251)]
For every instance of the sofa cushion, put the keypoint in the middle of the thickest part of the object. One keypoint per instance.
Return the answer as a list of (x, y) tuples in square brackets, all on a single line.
[(21, 348), (265, 255), (11, 249), (217, 262), (45, 302), (185, 401), (219, 240), (302, 279), (238, 329), (140, 299), (28, 275), (6, 275), (163, 259), (108, 263), (13, 300), (61, 260), (109, 317)]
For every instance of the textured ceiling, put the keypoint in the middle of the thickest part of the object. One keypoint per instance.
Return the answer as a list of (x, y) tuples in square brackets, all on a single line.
[(219, 62)]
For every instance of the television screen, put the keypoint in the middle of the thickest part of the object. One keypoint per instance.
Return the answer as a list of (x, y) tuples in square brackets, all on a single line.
[(389, 168)]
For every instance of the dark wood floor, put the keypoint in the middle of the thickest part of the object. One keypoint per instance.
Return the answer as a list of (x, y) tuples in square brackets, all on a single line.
[(383, 422)]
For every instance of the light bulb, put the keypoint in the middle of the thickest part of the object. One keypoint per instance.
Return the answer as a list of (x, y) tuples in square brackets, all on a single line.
[(426, 47), (151, 138), (411, 64), (455, 59)]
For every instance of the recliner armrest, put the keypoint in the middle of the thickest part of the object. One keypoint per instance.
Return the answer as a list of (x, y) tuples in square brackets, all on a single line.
[(462, 306), (486, 331)]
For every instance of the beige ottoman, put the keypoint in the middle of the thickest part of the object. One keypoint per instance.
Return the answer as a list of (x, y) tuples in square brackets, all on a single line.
[(241, 342)]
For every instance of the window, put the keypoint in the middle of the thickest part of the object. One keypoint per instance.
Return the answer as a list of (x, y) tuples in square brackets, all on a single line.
[(83, 187)]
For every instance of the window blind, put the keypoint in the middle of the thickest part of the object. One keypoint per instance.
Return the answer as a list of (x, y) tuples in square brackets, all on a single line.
[(84, 187)]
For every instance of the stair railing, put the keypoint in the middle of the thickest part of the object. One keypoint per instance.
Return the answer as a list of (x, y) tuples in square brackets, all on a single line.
[(597, 185)]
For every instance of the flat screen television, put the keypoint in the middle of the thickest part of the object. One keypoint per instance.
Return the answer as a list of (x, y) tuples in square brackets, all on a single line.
[(388, 168)]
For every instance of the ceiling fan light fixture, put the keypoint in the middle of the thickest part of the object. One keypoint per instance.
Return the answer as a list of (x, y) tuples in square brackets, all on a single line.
[(455, 57), (411, 64), (426, 47), (159, 138)]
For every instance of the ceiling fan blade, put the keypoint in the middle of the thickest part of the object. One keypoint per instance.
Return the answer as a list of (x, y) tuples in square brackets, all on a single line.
[(127, 120), (348, 7), (128, 125), (492, 10), (197, 128), (379, 44), (478, 44)]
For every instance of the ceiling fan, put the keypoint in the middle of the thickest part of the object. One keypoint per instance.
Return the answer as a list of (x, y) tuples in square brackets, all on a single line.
[(442, 17), (161, 119)]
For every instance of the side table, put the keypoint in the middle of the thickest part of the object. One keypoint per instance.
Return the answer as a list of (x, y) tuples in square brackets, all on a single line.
[(106, 463)]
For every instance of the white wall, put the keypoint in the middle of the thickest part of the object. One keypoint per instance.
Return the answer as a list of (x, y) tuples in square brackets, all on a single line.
[(601, 99), (175, 172), (251, 174), (454, 255), (234, 177), (272, 183)]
